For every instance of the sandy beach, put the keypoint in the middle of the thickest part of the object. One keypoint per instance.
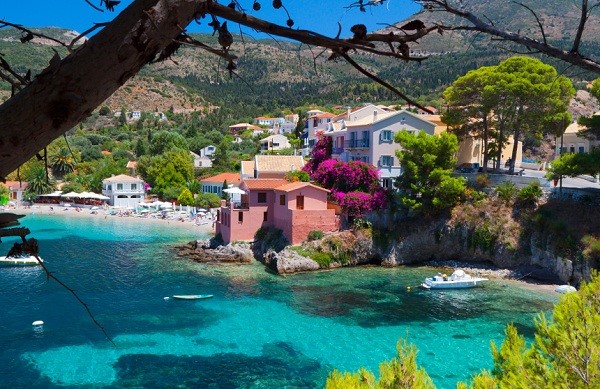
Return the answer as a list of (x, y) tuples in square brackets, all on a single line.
[(204, 226)]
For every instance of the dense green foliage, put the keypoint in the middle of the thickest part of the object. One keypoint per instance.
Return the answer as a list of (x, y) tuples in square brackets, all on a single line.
[(530, 194), (506, 191), (400, 372), (426, 184), (208, 200), (521, 94), (571, 164)]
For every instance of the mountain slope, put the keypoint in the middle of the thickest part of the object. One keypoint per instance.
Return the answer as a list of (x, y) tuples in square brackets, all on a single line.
[(272, 75)]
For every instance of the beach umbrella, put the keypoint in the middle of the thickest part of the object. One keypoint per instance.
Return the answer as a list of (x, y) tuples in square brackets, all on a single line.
[(70, 194), (234, 190)]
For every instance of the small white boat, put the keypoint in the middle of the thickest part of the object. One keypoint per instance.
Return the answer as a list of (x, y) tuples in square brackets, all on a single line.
[(458, 280), (19, 260), (192, 296), (565, 289)]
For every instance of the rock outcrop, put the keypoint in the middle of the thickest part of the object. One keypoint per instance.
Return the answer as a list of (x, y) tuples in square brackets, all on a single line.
[(288, 262), (210, 251)]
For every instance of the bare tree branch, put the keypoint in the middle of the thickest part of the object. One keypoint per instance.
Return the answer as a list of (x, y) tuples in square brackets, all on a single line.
[(540, 25), (479, 25), (380, 81), (581, 27)]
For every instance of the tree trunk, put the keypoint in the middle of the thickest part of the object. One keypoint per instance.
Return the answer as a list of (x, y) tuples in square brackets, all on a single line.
[(67, 91), (514, 150), (516, 136), (485, 143)]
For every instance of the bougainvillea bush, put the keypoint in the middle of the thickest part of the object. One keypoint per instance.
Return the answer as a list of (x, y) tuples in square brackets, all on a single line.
[(354, 185), (320, 152), (347, 176)]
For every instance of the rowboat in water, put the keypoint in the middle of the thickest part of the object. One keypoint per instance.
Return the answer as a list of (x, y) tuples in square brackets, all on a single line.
[(192, 296)]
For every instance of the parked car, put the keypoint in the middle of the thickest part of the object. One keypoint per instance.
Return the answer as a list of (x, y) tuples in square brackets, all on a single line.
[(473, 167)]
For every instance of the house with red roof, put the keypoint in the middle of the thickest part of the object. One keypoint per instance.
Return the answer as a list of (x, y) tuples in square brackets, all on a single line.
[(214, 184), (296, 208), (17, 190)]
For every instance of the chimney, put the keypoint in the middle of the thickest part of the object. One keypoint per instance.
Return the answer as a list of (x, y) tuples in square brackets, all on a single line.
[(348, 113), (374, 116)]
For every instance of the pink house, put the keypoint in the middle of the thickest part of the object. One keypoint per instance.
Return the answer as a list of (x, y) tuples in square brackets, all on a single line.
[(296, 208)]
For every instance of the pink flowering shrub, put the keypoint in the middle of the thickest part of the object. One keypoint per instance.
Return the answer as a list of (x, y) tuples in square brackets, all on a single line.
[(321, 152), (347, 176), (359, 203), (354, 185)]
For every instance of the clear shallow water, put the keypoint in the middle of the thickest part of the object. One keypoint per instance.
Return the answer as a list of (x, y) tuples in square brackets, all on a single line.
[(259, 331)]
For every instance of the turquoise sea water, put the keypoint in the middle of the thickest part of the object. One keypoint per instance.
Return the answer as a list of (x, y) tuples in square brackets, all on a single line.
[(259, 331)]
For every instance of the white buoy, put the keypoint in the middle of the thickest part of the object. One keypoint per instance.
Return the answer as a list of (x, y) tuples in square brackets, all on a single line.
[(37, 323), (166, 298)]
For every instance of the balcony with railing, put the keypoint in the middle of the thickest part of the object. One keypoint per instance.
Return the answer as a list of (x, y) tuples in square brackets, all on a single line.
[(337, 150), (239, 205), (357, 143)]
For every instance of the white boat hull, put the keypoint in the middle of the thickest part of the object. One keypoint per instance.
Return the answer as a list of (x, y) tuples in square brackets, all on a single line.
[(25, 260), (192, 296), (428, 284), (458, 280)]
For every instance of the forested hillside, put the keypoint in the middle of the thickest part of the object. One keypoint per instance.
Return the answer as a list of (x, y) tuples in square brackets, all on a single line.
[(272, 75)]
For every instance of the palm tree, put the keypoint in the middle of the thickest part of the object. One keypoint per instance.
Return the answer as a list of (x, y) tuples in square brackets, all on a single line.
[(62, 163), (38, 182)]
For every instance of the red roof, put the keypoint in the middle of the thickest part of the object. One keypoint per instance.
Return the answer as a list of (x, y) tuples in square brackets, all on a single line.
[(15, 185), (291, 186), (231, 178), (264, 183), (324, 115)]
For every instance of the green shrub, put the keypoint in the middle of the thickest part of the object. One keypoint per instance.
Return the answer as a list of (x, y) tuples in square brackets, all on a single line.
[(485, 237), (207, 200), (591, 248), (322, 258), (530, 194), (506, 191), (360, 224), (482, 181), (315, 235)]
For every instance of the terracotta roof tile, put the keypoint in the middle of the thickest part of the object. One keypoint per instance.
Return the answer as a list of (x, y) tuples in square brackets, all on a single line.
[(278, 163), (289, 187), (16, 184), (264, 183), (232, 178), (247, 167)]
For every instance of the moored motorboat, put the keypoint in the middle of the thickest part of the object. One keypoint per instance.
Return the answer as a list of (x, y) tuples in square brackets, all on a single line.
[(19, 260), (192, 296), (458, 280)]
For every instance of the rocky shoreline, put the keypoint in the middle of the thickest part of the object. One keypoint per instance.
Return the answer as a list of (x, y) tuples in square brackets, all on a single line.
[(288, 261), (206, 251)]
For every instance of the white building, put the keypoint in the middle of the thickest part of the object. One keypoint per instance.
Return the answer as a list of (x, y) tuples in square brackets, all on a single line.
[(274, 143), (201, 162), (123, 191), (370, 139)]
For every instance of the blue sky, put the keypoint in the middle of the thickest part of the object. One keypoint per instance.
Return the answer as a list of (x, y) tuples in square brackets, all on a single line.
[(319, 15)]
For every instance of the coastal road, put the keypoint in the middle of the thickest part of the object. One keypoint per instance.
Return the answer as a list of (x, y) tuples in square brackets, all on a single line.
[(568, 182)]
